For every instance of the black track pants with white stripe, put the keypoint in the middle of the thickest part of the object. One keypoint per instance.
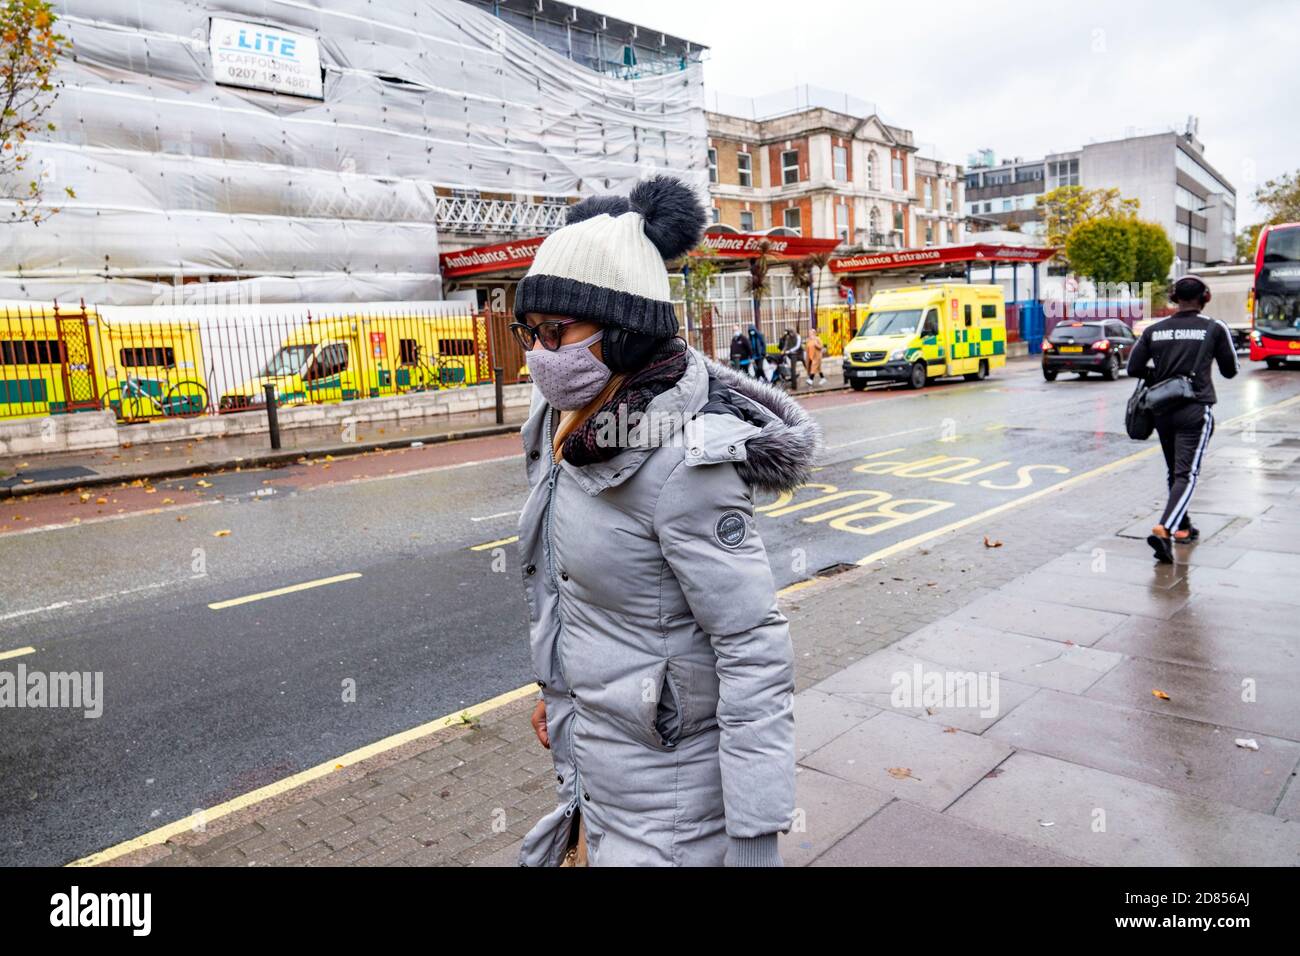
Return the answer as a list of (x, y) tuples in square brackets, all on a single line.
[(1184, 436)]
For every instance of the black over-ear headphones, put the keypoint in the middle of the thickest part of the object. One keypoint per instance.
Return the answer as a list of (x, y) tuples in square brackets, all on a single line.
[(624, 350)]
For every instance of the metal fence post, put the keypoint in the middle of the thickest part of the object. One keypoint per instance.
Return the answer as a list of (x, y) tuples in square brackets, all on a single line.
[(272, 415), (498, 374)]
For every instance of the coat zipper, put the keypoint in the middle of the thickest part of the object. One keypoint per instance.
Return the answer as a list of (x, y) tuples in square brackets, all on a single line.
[(550, 569)]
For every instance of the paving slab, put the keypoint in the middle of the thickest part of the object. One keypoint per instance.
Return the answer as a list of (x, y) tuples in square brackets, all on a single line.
[(1213, 697), (1017, 657), (1226, 645), (826, 808), (820, 717), (1054, 622), (909, 759), (1112, 820), (1160, 602), (874, 679), (903, 834), (1171, 752), (1109, 565), (1209, 523)]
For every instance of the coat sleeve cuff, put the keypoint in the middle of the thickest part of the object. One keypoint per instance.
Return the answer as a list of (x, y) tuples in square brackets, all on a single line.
[(753, 851)]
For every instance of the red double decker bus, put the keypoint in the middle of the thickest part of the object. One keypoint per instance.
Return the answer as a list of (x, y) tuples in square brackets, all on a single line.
[(1275, 298)]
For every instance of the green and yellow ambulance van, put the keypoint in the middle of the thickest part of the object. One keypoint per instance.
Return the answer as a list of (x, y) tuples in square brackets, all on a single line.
[(916, 333)]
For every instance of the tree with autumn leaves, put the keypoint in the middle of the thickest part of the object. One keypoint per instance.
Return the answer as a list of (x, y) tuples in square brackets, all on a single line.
[(31, 47)]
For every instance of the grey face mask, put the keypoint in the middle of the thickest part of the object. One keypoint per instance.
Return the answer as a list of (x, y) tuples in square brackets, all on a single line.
[(569, 377)]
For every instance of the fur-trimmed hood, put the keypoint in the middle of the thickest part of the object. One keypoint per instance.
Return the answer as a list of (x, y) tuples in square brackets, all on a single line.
[(780, 456)]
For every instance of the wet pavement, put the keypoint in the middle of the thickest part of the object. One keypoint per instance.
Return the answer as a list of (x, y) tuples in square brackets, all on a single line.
[(250, 694)]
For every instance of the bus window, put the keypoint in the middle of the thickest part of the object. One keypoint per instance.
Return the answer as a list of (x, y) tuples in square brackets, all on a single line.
[(331, 360), (31, 352), (150, 357)]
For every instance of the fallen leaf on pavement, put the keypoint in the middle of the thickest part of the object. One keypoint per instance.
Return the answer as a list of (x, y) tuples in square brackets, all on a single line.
[(1247, 743), (901, 773), (221, 534), (991, 544), (101, 501), (1161, 694)]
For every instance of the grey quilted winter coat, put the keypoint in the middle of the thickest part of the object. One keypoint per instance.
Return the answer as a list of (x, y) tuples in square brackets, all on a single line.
[(664, 661)]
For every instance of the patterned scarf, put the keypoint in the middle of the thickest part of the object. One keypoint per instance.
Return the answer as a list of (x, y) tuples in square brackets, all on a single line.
[(664, 369)]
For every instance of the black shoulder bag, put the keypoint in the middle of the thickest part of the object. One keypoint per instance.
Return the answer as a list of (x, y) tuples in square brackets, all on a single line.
[(1146, 402)]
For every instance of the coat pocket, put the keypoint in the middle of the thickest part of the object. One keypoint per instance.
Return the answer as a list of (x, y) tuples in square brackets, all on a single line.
[(668, 712)]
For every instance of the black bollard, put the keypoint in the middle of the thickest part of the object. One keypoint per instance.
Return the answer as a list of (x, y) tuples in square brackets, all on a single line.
[(272, 418), (497, 375)]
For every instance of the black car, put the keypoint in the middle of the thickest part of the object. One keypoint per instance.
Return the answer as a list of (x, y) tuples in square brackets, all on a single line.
[(1099, 345)]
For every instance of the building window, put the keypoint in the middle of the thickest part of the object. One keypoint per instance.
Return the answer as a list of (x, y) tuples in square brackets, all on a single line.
[(947, 195), (873, 170), (898, 219), (717, 214), (929, 195), (713, 165), (1064, 173), (842, 222), (789, 167), (1006, 205), (840, 161), (929, 233), (792, 220), (873, 218), (745, 168), (899, 183), (746, 221)]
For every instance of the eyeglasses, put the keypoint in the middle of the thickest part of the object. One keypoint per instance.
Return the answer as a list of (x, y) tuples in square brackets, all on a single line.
[(549, 333)]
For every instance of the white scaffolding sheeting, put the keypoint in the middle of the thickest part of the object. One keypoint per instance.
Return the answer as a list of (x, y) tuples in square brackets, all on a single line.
[(302, 199)]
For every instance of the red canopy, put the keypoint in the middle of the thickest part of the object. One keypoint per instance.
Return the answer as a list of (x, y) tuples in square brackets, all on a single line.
[(516, 255), (938, 255)]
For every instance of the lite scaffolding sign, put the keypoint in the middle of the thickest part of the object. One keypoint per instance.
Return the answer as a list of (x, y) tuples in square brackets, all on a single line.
[(261, 57)]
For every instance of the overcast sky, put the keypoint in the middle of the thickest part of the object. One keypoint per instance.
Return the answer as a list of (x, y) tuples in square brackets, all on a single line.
[(1023, 78)]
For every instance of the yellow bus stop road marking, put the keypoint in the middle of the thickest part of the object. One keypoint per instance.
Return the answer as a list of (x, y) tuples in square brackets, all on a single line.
[(1151, 449), (16, 652), (306, 586), (495, 544), (205, 817)]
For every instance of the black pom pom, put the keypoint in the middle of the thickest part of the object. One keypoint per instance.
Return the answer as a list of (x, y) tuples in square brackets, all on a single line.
[(596, 206), (674, 216)]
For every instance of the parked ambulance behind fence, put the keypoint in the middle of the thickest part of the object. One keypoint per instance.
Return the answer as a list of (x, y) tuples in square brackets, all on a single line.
[(917, 333)]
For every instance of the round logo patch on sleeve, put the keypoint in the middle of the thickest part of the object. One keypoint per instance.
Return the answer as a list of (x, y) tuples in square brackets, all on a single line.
[(731, 529)]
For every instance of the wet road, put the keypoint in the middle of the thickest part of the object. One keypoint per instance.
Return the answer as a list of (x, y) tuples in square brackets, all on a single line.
[(421, 611)]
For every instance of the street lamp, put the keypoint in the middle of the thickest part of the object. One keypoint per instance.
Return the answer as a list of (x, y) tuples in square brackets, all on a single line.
[(1189, 232)]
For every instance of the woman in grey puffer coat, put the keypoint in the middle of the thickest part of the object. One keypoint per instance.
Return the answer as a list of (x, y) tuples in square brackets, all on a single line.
[(664, 662)]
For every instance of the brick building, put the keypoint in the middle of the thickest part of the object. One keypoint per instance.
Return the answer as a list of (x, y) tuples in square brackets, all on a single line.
[(831, 171)]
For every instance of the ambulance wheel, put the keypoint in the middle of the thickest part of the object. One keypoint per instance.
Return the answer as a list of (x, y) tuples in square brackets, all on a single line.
[(857, 384), (917, 378), (979, 376), (1110, 371)]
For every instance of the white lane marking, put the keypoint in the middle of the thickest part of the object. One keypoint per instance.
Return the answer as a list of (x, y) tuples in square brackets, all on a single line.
[(89, 521), (60, 605), (499, 514), (859, 441)]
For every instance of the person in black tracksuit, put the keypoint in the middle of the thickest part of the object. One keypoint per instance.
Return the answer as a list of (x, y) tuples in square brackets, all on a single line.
[(1171, 346)]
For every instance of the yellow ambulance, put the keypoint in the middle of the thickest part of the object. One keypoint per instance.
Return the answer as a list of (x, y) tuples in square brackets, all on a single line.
[(916, 333), (360, 356)]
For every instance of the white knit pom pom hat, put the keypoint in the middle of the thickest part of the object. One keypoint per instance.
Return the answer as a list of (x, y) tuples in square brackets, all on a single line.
[(607, 263)]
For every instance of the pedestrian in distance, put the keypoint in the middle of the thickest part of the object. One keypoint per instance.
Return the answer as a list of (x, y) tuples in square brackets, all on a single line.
[(814, 349), (740, 353), (758, 352), (1187, 343), (664, 663)]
